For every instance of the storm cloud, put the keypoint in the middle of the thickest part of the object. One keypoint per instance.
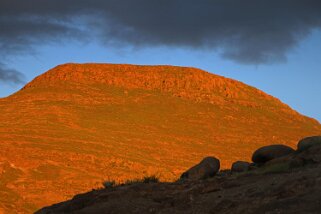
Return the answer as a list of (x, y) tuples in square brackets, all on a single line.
[(245, 31), (10, 75)]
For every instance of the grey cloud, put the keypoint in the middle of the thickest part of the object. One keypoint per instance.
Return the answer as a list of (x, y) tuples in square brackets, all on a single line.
[(21, 33), (10, 75), (245, 31)]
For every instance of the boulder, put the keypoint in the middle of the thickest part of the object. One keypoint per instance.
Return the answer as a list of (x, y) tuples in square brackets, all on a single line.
[(310, 155), (207, 168), (240, 166), (308, 142), (267, 153)]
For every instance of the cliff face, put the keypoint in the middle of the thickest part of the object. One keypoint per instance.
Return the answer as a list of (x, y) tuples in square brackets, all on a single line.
[(79, 124)]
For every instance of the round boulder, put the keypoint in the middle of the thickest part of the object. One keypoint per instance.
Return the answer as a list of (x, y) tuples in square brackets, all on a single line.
[(240, 166), (308, 142), (267, 153), (207, 168)]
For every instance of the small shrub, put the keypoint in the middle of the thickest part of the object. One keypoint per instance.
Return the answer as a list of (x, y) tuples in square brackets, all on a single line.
[(109, 184), (146, 180)]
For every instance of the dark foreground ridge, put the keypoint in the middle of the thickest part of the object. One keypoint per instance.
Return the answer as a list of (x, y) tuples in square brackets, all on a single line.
[(278, 181)]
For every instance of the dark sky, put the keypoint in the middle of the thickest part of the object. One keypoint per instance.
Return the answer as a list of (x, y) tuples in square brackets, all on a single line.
[(274, 45), (244, 31)]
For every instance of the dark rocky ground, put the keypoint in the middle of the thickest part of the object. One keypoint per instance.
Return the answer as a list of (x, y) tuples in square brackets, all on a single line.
[(289, 184)]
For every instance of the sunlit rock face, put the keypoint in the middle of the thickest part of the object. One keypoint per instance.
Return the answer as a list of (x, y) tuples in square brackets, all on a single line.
[(80, 124)]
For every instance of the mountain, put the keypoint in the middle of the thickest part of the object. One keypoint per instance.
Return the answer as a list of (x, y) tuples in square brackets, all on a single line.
[(77, 125)]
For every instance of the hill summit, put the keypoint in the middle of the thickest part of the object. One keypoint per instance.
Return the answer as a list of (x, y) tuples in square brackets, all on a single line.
[(80, 124), (185, 82)]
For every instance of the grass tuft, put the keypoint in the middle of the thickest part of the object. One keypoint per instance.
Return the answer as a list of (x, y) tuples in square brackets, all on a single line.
[(151, 179), (144, 180)]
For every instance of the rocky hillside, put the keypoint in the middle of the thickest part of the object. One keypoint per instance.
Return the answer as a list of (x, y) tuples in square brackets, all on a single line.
[(288, 183), (80, 124)]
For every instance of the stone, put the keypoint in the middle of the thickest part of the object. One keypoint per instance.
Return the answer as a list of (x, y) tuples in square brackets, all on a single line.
[(207, 168), (240, 166), (267, 153), (308, 142)]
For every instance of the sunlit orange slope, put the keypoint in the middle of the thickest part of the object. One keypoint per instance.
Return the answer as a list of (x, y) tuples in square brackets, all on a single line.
[(79, 124)]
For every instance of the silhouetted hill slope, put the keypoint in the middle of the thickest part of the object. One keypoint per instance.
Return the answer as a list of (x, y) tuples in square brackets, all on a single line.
[(79, 124), (288, 184)]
